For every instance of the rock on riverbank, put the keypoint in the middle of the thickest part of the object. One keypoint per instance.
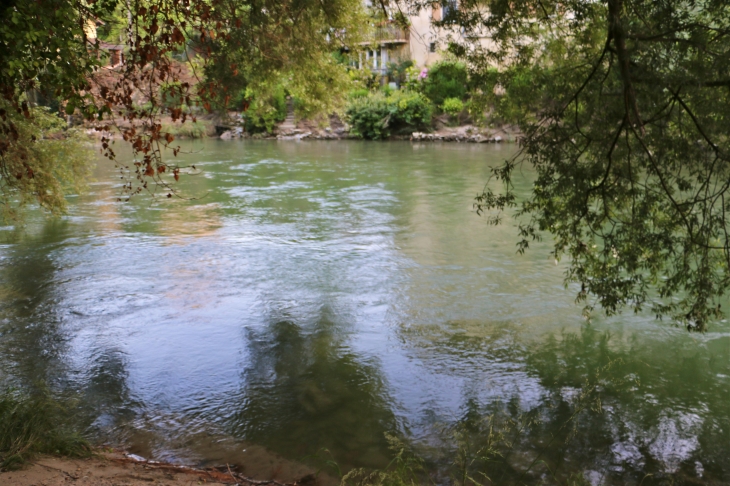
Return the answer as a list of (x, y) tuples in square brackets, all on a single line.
[(440, 137), (465, 134)]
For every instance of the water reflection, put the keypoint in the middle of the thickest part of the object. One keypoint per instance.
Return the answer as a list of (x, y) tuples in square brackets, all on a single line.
[(32, 339), (662, 400), (618, 409), (305, 390), (322, 295)]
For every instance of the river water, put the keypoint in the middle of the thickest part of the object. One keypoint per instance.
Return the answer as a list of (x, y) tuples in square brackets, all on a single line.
[(320, 295)]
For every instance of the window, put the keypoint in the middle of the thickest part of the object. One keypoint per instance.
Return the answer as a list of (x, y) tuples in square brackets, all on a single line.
[(432, 47), (449, 10)]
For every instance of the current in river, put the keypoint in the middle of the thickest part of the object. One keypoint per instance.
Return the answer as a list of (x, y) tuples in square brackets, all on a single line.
[(307, 300)]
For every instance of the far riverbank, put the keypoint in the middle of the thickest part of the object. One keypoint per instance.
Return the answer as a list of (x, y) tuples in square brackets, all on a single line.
[(333, 129)]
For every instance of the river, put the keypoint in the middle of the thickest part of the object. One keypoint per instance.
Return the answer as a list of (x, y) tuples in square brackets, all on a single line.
[(316, 296)]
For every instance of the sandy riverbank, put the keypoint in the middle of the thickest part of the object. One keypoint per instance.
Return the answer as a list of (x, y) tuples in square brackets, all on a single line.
[(119, 469)]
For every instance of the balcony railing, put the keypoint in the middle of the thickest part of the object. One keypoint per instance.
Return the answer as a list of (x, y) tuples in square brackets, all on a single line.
[(388, 34)]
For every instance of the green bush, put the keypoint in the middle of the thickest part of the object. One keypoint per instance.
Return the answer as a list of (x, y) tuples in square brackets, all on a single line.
[(378, 116), (369, 117), (365, 78), (265, 112), (411, 81), (446, 79), (358, 93), (413, 111), (519, 84), (238, 100), (453, 106)]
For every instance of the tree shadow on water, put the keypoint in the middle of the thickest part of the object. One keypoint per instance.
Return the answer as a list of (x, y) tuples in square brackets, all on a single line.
[(602, 408), (37, 332), (305, 390), (613, 411)]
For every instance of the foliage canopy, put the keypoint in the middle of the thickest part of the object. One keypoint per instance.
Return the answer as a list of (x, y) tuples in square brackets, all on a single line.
[(445, 79), (625, 109), (43, 165), (177, 56)]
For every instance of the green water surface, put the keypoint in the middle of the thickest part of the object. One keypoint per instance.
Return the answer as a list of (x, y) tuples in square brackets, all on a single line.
[(319, 295)]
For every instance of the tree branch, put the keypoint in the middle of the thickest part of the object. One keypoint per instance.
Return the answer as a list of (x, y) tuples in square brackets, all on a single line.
[(619, 40)]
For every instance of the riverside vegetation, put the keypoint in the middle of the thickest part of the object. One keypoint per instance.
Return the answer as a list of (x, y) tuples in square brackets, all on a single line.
[(373, 110), (378, 114), (36, 423)]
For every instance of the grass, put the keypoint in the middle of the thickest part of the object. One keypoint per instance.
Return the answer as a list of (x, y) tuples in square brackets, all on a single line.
[(33, 424), (405, 469)]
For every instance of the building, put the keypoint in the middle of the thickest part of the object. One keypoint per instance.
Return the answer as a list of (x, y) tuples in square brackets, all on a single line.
[(390, 43), (421, 42)]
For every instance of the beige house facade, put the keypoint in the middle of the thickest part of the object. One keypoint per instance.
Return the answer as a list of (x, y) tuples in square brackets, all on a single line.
[(418, 42), (427, 40), (422, 42)]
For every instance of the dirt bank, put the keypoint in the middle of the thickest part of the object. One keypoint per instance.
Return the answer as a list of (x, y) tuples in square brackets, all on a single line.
[(119, 469)]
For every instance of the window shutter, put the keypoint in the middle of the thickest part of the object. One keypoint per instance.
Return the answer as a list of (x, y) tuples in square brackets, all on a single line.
[(436, 12)]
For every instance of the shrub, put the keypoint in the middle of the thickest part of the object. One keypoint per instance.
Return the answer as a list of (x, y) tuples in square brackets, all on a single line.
[(446, 79), (518, 86), (412, 81), (239, 100), (364, 78), (369, 116), (453, 106), (358, 93), (378, 116), (414, 111), (171, 95), (265, 112)]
